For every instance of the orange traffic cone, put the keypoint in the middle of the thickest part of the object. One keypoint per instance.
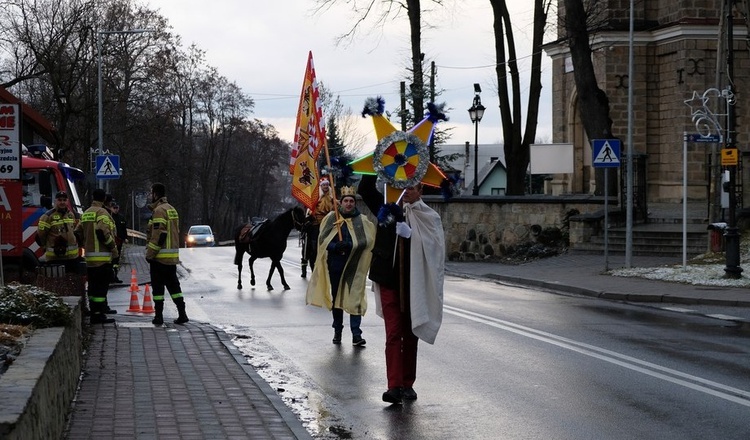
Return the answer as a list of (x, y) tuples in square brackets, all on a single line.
[(134, 282), (135, 306), (148, 303)]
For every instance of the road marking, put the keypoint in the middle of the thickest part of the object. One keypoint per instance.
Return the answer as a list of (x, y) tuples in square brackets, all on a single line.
[(696, 383)]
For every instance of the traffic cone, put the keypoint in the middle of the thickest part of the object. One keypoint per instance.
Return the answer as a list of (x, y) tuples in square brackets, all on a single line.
[(148, 303), (134, 282), (135, 306)]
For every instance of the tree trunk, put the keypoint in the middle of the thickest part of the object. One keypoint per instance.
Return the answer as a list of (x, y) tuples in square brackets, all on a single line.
[(417, 87), (516, 146), (593, 103)]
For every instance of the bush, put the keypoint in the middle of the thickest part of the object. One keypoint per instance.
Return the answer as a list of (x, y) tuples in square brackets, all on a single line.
[(23, 304)]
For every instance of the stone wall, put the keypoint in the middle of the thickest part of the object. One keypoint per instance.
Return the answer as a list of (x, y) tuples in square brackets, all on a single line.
[(478, 228), (38, 388)]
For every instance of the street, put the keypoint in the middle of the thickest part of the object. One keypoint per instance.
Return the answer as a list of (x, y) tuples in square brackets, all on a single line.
[(509, 362)]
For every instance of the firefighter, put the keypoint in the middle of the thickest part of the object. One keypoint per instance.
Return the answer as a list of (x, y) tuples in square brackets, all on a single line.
[(163, 254), (96, 234), (56, 234)]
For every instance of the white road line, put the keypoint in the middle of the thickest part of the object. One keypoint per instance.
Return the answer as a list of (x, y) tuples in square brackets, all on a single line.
[(716, 389)]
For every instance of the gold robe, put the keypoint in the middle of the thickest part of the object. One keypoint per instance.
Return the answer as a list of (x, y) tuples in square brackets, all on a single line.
[(351, 295)]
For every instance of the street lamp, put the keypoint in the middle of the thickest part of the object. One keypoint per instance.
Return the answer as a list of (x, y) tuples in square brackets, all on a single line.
[(475, 113), (99, 35)]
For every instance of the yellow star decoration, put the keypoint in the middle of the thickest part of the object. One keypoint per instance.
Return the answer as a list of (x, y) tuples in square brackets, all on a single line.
[(400, 158)]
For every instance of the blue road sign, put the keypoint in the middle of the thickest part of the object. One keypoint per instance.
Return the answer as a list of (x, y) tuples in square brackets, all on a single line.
[(108, 166), (606, 153), (711, 138)]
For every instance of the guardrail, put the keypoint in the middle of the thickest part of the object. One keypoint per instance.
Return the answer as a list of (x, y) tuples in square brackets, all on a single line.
[(137, 237)]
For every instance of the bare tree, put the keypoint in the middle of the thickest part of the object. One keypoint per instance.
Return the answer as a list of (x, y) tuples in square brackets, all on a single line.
[(381, 12), (171, 117), (517, 137), (344, 118)]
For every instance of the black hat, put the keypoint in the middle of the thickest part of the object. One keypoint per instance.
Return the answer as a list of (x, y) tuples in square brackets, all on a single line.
[(61, 195)]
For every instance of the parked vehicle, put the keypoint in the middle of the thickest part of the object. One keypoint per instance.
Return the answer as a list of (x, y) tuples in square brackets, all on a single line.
[(23, 202), (200, 235)]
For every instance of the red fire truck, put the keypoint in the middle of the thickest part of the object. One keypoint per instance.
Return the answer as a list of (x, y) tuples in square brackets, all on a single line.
[(23, 202)]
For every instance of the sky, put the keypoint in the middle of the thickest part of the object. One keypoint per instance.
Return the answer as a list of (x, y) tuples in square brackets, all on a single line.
[(263, 46)]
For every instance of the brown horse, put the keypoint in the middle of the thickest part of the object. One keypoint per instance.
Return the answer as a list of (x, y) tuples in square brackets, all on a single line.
[(268, 241)]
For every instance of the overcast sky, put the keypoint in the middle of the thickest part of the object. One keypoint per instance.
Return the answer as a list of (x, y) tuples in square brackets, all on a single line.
[(263, 47)]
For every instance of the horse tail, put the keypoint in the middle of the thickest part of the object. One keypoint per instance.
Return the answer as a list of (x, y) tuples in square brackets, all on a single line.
[(239, 246)]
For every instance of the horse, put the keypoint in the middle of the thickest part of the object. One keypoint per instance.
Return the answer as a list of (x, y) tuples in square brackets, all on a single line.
[(269, 241)]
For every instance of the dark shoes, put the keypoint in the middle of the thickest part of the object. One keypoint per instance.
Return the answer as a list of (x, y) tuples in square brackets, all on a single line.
[(410, 394), (116, 281), (111, 311), (100, 319), (181, 319), (336, 337), (394, 396), (357, 341), (158, 320)]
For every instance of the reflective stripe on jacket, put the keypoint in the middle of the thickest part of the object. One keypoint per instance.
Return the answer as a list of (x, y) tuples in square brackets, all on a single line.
[(163, 233), (98, 251), (58, 227)]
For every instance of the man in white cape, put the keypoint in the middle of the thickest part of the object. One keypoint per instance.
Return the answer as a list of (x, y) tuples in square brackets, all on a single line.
[(407, 272)]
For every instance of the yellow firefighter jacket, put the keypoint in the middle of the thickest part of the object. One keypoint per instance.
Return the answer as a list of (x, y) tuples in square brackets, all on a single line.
[(56, 233), (163, 233), (98, 238)]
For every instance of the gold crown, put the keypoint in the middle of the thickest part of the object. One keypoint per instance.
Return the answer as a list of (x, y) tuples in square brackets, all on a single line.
[(348, 191)]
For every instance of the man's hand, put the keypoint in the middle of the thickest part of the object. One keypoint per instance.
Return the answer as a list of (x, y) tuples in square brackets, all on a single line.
[(342, 246), (403, 230)]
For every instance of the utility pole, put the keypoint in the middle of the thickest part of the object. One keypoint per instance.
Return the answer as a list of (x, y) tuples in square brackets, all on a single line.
[(404, 112), (432, 100)]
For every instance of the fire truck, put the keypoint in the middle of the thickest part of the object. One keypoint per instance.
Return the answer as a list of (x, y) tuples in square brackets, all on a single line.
[(24, 201)]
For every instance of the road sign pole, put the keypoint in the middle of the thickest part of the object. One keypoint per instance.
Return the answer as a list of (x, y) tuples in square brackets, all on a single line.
[(606, 222), (684, 200)]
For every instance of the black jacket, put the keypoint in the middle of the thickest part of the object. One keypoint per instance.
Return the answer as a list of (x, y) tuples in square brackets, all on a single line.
[(120, 226), (383, 269)]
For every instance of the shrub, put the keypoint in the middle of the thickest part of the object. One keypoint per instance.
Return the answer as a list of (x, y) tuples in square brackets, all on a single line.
[(23, 304)]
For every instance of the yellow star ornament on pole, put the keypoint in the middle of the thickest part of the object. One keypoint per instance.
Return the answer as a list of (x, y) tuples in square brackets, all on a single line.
[(401, 159)]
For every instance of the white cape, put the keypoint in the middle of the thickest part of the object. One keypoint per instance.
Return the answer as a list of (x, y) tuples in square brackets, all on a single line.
[(427, 271)]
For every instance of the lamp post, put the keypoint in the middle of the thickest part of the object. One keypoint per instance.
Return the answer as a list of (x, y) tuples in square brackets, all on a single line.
[(475, 114), (99, 35), (732, 236)]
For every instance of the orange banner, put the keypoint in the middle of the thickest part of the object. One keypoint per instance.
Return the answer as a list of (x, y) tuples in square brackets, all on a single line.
[(309, 139)]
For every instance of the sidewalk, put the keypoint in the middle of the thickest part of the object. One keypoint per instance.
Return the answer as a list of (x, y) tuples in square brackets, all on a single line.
[(172, 382), (190, 382)]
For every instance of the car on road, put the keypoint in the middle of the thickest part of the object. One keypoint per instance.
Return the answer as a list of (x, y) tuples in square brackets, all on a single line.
[(200, 235)]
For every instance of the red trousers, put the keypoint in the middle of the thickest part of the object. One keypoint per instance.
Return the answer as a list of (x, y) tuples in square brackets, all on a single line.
[(400, 342)]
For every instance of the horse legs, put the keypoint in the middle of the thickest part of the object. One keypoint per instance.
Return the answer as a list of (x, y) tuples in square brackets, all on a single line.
[(252, 272), (239, 276), (270, 274), (276, 264)]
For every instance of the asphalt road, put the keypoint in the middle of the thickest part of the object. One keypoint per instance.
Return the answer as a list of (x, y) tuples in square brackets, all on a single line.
[(509, 362)]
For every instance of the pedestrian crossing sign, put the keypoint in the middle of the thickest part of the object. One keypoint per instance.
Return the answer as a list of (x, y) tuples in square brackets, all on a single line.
[(108, 166), (606, 153)]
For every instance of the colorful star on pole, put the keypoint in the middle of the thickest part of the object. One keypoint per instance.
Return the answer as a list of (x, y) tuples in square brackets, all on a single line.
[(400, 159)]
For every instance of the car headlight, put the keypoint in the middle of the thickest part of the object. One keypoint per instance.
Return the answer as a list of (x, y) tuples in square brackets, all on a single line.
[(209, 239), (190, 238)]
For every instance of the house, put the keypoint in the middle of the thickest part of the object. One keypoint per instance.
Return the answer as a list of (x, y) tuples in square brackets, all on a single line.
[(491, 171)]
